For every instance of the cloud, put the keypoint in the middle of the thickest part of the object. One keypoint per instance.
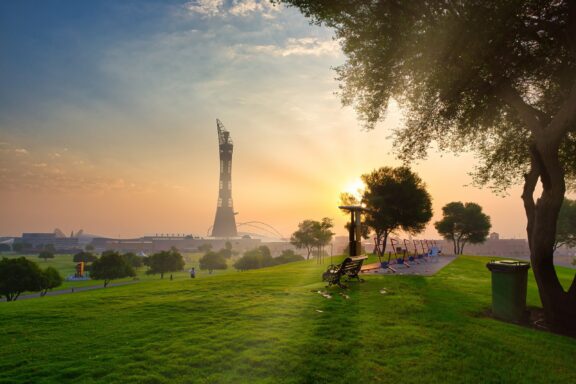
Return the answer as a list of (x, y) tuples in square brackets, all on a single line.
[(305, 46), (247, 7), (238, 8), (205, 7)]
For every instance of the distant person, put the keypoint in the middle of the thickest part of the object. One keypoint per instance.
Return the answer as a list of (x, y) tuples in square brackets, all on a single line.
[(434, 252), (192, 273)]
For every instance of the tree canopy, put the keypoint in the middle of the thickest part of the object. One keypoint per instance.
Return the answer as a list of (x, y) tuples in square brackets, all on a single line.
[(165, 261), (494, 76), (463, 224), (395, 198), (19, 275), (312, 234), (213, 260), (566, 229), (50, 279), (111, 265)]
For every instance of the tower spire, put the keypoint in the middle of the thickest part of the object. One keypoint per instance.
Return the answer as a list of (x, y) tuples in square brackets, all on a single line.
[(224, 222)]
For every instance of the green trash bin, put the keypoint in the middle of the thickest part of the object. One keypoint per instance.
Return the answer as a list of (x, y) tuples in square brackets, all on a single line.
[(509, 281)]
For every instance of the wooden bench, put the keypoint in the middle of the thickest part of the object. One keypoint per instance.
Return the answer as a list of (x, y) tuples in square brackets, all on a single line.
[(349, 268)]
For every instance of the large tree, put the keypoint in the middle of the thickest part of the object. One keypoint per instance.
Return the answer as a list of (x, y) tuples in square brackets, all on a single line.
[(495, 76), (463, 224), (111, 265), (566, 229), (395, 198)]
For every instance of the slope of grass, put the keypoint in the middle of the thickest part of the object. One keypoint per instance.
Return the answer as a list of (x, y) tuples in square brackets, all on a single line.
[(271, 326)]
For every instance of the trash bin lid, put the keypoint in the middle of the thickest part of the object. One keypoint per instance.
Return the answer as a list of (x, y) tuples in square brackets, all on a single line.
[(507, 266)]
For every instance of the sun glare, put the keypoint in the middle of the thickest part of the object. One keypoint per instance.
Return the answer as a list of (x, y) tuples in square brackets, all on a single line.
[(355, 188)]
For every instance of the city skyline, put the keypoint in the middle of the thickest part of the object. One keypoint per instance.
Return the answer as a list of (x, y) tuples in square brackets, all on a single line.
[(107, 114)]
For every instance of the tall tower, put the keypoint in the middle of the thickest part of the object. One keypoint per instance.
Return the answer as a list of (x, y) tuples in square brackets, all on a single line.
[(225, 223)]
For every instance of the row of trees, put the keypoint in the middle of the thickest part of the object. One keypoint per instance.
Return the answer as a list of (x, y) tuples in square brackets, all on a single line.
[(19, 275)]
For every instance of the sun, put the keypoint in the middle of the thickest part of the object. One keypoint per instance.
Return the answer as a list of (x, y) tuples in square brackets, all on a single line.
[(355, 188)]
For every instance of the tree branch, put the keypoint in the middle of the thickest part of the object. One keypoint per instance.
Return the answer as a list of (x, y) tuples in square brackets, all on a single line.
[(534, 119)]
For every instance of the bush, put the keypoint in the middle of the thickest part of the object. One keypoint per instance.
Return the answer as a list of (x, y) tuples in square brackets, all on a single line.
[(254, 259), (288, 256)]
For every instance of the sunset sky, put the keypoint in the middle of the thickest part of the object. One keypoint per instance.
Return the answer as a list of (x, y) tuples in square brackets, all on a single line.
[(108, 120)]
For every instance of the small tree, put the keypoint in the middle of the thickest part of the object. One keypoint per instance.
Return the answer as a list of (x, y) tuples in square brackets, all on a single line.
[(213, 260), (395, 198), (46, 255), (463, 223), (254, 259), (165, 261), (17, 276), (85, 257), (51, 279), (566, 227), (111, 266), (312, 234)]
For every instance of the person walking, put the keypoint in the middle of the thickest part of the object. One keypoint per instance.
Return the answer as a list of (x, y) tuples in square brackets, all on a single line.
[(192, 273)]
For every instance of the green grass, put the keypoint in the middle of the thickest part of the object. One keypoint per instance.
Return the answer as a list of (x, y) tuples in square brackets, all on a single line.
[(270, 326)]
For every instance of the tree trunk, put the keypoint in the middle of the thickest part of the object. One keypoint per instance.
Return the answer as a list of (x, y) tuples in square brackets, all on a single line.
[(559, 306)]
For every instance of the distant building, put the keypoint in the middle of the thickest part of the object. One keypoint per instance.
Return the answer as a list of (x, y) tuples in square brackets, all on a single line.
[(37, 241)]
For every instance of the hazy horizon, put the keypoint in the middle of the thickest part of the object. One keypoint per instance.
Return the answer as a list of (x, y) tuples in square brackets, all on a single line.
[(108, 121)]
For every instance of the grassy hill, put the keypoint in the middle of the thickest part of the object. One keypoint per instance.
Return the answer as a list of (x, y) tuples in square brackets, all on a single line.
[(271, 326)]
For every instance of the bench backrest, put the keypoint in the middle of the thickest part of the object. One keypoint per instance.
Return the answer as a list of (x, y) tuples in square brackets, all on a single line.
[(352, 265)]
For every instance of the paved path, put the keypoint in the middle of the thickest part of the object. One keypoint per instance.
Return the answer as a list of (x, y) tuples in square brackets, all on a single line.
[(71, 290), (424, 268)]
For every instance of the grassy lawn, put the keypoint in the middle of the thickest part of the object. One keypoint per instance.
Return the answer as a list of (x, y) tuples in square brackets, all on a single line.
[(270, 326)]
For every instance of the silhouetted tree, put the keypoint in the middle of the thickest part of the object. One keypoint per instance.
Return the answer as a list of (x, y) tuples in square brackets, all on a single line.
[(566, 228), (46, 255), (111, 265), (395, 198), (19, 275), (493, 76), (213, 260), (165, 261), (463, 224)]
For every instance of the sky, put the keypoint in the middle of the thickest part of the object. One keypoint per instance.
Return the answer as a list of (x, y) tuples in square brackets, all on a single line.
[(108, 121)]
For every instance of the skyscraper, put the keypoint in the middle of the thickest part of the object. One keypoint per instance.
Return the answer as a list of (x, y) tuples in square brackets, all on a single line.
[(224, 222)]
